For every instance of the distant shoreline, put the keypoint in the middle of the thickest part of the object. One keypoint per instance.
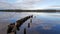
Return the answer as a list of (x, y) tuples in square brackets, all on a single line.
[(29, 10)]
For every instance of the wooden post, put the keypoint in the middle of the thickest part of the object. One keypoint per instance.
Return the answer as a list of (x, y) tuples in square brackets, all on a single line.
[(12, 33), (24, 30), (31, 20), (28, 25)]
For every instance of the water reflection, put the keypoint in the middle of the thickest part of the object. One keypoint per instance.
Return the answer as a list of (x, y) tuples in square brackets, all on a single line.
[(50, 24), (42, 23)]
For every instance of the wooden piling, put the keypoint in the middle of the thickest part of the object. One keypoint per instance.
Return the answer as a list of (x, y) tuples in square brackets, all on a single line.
[(24, 30), (28, 25)]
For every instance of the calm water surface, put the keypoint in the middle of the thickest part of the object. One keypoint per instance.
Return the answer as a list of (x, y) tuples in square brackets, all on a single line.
[(42, 23)]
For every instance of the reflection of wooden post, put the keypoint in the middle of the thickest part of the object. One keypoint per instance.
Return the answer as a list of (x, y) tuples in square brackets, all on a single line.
[(29, 24), (31, 20), (24, 30)]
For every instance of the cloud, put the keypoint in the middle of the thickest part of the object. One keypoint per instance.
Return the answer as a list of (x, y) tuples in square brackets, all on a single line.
[(18, 4), (28, 1), (25, 4), (5, 6), (56, 7), (28, 4)]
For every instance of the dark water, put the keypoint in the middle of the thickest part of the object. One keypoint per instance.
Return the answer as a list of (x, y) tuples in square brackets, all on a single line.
[(42, 23)]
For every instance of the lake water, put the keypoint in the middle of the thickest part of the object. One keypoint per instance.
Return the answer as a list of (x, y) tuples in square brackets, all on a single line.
[(42, 22)]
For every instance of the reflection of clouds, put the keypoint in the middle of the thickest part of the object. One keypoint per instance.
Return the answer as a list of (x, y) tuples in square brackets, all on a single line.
[(47, 26), (50, 14), (55, 15), (12, 16)]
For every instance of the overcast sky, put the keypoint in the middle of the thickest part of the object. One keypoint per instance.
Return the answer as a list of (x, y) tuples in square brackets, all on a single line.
[(29, 4)]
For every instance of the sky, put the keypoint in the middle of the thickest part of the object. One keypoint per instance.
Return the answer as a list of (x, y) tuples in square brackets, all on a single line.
[(29, 4)]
